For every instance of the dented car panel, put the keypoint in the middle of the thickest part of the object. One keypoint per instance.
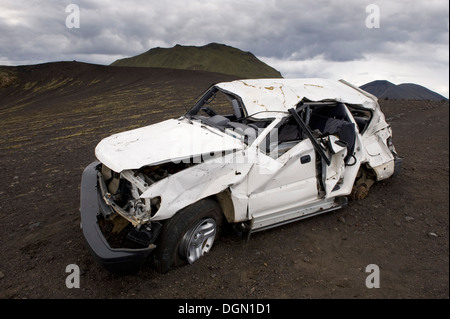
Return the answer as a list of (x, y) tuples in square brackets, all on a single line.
[(148, 145), (260, 153), (264, 97), (197, 182)]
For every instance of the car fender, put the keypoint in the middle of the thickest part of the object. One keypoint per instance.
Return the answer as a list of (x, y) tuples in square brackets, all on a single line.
[(197, 182)]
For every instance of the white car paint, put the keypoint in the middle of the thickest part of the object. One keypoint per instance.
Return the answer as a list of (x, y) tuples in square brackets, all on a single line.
[(263, 189), (279, 95), (170, 140)]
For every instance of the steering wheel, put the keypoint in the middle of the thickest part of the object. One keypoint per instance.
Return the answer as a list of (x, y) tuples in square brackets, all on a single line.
[(208, 110)]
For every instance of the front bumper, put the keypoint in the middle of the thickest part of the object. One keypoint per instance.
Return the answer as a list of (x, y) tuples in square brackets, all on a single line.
[(397, 165), (117, 260)]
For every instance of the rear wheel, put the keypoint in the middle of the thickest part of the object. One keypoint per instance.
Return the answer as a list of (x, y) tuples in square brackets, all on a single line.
[(188, 235), (364, 180), (359, 192)]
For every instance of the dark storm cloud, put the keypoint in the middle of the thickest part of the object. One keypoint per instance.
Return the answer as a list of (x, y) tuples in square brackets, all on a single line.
[(283, 29), (280, 30)]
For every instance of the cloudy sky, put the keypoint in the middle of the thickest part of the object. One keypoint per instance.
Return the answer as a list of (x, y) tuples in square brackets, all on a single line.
[(403, 41)]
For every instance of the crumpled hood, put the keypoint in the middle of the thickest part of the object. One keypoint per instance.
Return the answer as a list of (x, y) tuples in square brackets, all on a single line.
[(170, 140)]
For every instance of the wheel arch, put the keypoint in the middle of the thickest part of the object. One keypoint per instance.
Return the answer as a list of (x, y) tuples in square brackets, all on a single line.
[(364, 180), (225, 202)]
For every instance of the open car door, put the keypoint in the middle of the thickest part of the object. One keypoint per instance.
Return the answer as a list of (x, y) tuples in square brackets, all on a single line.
[(335, 137)]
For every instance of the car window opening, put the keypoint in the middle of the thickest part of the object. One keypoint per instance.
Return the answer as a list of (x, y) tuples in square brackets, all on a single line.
[(320, 119), (224, 111)]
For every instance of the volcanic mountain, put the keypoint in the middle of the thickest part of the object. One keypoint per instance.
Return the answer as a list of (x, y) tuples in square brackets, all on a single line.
[(212, 57), (407, 91)]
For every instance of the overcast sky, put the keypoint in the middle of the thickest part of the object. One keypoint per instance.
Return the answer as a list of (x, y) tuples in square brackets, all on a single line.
[(408, 42)]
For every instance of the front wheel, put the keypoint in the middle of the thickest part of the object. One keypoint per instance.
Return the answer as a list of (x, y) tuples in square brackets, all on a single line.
[(198, 240), (188, 235)]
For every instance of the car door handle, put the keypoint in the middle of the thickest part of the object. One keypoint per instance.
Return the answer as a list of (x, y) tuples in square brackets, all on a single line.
[(305, 159)]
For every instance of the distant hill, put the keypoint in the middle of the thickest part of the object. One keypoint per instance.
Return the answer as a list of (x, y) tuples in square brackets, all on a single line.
[(71, 84), (212, 57), (406, 91)]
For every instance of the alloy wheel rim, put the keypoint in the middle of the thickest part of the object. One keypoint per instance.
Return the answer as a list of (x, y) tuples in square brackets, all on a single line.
[(199, 240)]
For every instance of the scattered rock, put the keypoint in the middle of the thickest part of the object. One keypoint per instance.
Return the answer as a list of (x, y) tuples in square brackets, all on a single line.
[(409, 218), (307, 260), (431, 234), (2, 274), (34, 225)]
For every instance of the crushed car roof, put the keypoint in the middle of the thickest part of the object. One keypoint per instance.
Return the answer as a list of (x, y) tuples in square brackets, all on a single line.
[(264, 96)]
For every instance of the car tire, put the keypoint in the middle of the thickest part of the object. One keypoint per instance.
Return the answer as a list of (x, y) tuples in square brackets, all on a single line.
[(188, 235)]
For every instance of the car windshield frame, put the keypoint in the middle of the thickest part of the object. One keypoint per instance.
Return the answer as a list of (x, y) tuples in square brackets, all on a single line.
[(236, 125)]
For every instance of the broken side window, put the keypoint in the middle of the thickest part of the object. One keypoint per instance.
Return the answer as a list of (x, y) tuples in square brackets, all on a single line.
[(282, 138)]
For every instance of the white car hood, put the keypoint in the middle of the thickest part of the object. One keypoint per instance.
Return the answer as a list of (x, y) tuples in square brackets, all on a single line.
[(170, 140)]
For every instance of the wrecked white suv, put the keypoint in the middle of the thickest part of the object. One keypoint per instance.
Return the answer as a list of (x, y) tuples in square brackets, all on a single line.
[(253, 153)]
